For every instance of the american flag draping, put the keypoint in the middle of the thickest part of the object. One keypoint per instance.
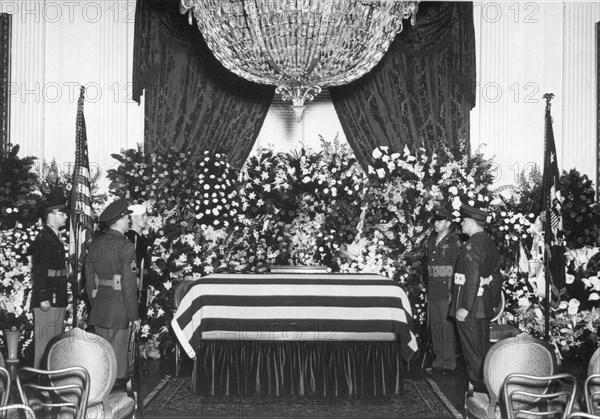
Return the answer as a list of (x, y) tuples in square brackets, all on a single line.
[(295, 307), (552, 207), (81, 198)]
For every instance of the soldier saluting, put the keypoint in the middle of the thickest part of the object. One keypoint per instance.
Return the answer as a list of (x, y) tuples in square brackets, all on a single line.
[(111, 284), (476, 291)]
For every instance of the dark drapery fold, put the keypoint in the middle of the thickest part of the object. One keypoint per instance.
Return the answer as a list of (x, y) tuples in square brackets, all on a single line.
[(235, 368), (191, 101), (421, 92)]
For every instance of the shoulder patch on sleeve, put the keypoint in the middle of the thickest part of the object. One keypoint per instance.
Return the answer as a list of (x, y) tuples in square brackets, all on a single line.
[(134, 267)]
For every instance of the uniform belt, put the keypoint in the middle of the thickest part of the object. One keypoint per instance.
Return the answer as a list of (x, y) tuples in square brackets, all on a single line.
[(114, 283), (459, 279), (441, 270), (57, 272)]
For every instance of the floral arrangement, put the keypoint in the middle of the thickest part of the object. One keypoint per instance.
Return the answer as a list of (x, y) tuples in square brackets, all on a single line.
[(15, 283), (320, 208), (17, 194), (580, 211)]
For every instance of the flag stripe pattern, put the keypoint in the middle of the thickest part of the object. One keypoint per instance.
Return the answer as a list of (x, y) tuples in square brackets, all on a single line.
[(552, 206), (81, 197), (295, 307)]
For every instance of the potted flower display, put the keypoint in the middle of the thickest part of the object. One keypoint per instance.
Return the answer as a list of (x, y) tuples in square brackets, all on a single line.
[(12, 324)]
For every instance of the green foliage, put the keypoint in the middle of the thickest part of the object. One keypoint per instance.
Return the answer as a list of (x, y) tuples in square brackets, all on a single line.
[(18, 200), (530, 188), (581, 216)]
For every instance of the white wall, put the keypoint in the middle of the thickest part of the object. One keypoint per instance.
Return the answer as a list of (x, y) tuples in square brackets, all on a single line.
[(57, 46), (282, 133), (526, 49)]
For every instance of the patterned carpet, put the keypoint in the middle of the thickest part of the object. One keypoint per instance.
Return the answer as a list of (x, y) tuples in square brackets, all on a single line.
[(172, 398)]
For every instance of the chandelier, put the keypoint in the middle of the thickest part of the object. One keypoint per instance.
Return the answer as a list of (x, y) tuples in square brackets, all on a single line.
[(299, 46)]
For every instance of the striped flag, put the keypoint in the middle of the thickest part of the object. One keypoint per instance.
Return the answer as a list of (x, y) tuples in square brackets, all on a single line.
[(552, 206), (295, 307), (81, 197)]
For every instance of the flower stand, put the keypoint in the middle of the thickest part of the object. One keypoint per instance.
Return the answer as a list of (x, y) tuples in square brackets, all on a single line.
[(12, 344)]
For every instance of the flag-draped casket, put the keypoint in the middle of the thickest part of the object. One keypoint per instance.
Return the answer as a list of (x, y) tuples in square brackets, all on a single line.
[(296, 333)]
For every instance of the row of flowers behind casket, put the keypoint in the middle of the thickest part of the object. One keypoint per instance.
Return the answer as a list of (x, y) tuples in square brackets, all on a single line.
[(303, 208), (310, 208)]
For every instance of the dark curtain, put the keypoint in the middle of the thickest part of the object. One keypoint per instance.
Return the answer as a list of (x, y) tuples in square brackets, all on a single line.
[(5, 21), (191, 101), (294, 368), (421, 92)]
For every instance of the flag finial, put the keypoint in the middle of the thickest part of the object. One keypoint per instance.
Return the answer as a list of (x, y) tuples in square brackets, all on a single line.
[(548, 97)]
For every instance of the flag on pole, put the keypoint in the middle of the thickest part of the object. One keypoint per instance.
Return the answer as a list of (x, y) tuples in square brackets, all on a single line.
[(552, 208), (81, 199)]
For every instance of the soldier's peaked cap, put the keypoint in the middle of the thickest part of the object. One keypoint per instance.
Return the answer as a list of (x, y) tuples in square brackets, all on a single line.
[(114, 211), (468, 211), (442, 214), (55, 205)]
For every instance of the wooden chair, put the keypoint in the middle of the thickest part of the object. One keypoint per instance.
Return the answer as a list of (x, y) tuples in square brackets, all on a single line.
[(591, 387), (527, 395), (4, 386), (17, 411), (80, 348), (521, 354), (55, 393)]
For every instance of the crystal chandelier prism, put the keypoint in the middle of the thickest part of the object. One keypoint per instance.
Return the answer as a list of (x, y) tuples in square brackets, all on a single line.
[(299, 46)]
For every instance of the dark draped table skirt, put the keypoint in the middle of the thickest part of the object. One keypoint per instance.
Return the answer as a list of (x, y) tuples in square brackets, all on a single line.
[(297, 368)]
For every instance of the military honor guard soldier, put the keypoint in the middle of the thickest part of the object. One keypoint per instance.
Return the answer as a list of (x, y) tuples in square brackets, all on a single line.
[(476, 291), (442, 252), (135, 234), (49, 275), (111, 285)]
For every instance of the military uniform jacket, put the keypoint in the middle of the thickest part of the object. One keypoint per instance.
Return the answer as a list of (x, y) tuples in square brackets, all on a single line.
[(111, 281), (49, 270), (142, 247), (441, 259), (477, 280)]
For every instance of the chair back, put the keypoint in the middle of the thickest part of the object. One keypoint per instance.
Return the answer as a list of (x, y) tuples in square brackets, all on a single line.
[(521, 354), (77, 347), (528, 395), (592, 384), (500, 308), (55, 392), (498, 329), (179, 291), (4, 386), (17, 410), (582, 415)]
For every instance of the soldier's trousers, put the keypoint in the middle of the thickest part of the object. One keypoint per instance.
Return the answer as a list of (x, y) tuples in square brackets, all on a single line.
[(47, 324), (443, 336), (474, 335), (120, 341)]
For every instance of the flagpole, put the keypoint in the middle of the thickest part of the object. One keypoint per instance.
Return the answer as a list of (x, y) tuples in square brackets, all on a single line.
[(547, 232), (81, 212), (75, 269)]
